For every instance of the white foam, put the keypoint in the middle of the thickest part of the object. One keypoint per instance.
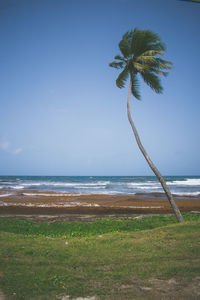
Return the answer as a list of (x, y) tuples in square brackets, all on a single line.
[(149, 183), (68, 184), (17, 187), (92, 187), (188, 181), (101, 183), (136, 184), (148, 187), (35, 184), (144, 186), (7, 182), (5, 195), (186, 193)]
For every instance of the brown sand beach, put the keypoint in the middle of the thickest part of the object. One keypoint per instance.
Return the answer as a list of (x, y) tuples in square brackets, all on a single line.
[(75, 206)]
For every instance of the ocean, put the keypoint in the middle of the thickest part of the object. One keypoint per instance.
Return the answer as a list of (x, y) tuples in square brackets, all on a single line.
[(111, 185)]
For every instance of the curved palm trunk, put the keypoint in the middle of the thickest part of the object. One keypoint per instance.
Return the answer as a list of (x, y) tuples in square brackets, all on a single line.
[(152, 166)]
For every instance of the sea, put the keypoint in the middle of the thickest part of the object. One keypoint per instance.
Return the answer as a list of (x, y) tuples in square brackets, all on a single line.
[(111, 185)]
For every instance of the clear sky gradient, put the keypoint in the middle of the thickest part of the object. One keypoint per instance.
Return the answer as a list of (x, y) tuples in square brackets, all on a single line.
[(60, 110)]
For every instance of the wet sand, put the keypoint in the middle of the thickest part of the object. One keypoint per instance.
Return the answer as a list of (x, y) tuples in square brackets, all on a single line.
[(76, 206)]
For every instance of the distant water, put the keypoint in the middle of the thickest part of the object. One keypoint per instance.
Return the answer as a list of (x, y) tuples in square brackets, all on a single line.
[(113, 185)]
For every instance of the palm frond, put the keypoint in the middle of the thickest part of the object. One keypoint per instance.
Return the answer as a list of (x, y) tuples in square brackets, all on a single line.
[(146, 40), (152, 52), (116, 65), (140, 67), (153, 41), (153, 81), (158, 67), (122, 78), (125, 44), (135, 86), (128, 36), (159, 72), (164, 63), (146, 58), (118, 57)]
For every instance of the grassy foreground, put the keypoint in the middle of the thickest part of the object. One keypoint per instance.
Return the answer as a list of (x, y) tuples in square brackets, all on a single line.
[(151, 258)]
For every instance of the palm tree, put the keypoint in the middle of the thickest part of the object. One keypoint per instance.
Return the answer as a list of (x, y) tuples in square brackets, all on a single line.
[(141, 51)]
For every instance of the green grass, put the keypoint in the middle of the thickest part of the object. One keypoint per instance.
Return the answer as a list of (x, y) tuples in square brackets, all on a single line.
[(86, 229), (36, 263)]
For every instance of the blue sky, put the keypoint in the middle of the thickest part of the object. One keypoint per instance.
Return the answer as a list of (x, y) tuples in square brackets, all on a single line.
[(60, 110)]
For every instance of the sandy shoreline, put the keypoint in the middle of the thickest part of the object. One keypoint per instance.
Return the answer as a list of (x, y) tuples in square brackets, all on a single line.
[(53, 204)]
